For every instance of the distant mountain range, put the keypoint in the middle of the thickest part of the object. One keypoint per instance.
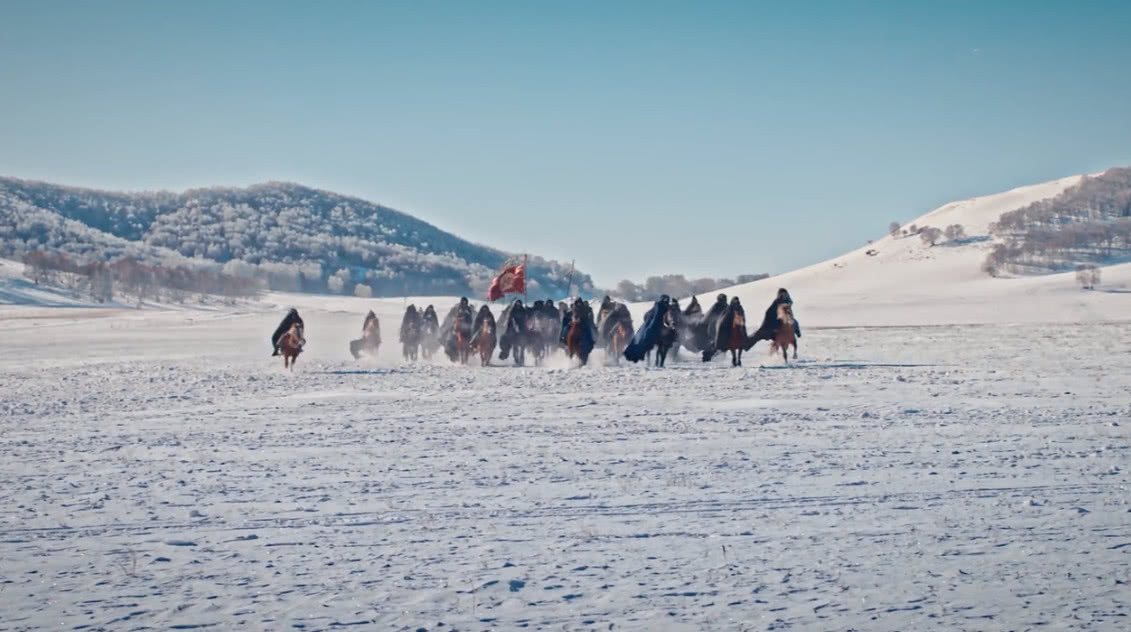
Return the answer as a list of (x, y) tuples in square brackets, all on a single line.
[(293, 237)]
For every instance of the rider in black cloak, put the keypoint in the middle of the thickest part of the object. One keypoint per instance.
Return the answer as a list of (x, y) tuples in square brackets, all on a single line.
[(291, 318), (514, 323), (770, 322), (430, 316), (723, 331), (369, 317), (706, 331), (484, 314), (411, 318), (449, 340)]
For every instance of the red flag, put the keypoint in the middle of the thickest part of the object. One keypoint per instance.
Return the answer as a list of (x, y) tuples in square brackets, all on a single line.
[(512, 280)]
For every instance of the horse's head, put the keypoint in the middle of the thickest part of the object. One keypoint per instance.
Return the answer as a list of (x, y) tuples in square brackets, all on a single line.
[(785, 312)]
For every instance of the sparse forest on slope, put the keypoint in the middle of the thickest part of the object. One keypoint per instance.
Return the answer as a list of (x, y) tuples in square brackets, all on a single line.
[(292, 237), (677, 286), (1088, 224)]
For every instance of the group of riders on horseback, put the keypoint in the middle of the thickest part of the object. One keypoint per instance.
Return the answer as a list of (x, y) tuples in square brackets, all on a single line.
[(544, 328)]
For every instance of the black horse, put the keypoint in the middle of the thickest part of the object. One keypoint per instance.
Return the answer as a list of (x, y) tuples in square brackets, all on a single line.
[(411, 332), (707, 330), (370, 340), (516, 338)]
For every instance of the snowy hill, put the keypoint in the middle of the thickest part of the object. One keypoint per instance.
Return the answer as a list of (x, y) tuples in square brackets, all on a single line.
[(904, 281), (293, 237)]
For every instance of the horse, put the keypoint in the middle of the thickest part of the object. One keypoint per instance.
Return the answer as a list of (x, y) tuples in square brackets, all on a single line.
[(785, 335), (617, 341), (580, 336), (669, 333), (370, 340), (547, 322), (614, 329), (429, 335), (484, 338), (410, 333), (516, 322), (290, 345), (457, 330), (731, 335)]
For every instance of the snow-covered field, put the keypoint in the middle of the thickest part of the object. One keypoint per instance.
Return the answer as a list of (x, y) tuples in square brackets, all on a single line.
[(962, 465), (161, 470)]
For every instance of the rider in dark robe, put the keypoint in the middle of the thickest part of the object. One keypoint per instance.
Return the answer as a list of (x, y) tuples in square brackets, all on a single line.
[(650, 329), (430, 316), (411, 318), (446, 335), (514, 323), (706, 331), (771, 323), (291, 318), (484, 315), (726, 323), (693, 308), (589, 328)]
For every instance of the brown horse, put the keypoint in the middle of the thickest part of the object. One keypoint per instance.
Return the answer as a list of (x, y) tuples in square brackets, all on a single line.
[(732, 332), (784, 336), (579, 337), (290, 345), (486, 342), (618, 341), (462, 331), (485, 337)]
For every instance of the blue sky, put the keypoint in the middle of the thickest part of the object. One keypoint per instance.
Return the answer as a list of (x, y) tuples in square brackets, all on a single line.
[(707, 138)]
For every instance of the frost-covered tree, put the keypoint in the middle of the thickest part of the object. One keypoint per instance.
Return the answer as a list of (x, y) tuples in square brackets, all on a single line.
[(294, 236), (955, 232), (930, 235)]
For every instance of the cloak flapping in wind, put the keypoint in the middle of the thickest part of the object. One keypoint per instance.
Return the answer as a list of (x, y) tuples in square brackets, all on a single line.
[(724, 331), (645, 338)]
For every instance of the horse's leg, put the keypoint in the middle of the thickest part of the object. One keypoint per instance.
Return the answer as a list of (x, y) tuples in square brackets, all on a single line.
[(794, 348)]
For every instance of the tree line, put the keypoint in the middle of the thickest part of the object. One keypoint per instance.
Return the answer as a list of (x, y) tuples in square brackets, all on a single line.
[(678, 286), (1087, 224), (132, 281)]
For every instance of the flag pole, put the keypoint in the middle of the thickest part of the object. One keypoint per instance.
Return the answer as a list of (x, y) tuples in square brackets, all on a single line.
[(524, 299), (569, 281)]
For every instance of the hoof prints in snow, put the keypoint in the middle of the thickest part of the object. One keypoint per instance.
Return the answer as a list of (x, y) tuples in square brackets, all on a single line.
[(971, 492)]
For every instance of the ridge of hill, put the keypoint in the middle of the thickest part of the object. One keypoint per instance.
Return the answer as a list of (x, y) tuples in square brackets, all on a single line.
[(295, 238), (901, 280)]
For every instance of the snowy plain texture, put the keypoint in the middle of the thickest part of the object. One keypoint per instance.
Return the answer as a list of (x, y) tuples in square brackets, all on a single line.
[(962, 467)]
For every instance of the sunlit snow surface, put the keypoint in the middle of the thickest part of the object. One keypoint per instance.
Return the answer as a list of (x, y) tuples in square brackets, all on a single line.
[(160, 470)]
